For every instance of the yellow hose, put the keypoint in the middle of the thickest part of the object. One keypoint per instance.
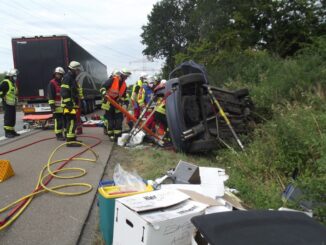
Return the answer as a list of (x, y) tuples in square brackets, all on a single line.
[(53, 189)]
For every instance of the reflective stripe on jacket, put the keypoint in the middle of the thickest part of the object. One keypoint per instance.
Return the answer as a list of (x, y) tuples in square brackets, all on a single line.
[(134, 93), (71, 92), (11, 96), (161, 106), (144, 95)]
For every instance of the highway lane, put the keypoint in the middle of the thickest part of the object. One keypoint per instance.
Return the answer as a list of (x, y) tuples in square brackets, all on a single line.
[(19, 123)]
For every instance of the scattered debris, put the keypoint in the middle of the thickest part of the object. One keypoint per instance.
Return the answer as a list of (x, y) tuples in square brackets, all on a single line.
[(131, 140), (166, 220), (93, 123), (128, 181), (192, 193), (295, 194)]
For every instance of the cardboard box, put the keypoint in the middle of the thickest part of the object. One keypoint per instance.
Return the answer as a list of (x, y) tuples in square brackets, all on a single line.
[(160, 217)]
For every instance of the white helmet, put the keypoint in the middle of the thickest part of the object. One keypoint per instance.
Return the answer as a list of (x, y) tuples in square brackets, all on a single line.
[(163, 81), (125, 72), (12, 72), (143, 75), (74, 65), (59, 70), (116, 72)]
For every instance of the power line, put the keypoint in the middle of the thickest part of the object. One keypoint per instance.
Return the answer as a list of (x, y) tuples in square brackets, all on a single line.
[(75, 34), (83, 17), (26, 11)]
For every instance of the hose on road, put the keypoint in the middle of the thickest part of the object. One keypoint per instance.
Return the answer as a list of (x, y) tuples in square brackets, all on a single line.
[(17, 207)]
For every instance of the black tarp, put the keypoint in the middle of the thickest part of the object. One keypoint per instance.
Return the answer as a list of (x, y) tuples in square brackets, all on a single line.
[(260, 227)]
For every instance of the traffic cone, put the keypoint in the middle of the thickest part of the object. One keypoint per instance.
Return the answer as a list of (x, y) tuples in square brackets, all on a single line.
[(6, 170)]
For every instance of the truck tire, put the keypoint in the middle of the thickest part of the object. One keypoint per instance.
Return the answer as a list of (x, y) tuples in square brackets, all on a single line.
[(175, 117)]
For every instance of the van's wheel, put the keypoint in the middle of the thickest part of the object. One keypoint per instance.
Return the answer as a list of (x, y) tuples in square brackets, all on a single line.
[(26, 126)]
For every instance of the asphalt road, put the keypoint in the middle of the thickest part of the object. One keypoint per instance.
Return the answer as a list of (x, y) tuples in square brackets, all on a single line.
[(50, 218), (19, 123)]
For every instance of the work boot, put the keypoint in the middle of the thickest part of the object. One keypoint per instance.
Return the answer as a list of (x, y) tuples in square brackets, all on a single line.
[(9, 135), (130, 124), (15, 133), (60, 137), (111, 137), (73, 144), (116, 136)]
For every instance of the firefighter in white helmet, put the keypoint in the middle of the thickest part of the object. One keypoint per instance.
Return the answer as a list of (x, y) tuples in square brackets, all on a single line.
[(72, 95), (54, 96), (8, 93)]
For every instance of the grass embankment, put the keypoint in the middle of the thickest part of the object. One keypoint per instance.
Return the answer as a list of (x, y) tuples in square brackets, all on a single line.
[(292, 93)]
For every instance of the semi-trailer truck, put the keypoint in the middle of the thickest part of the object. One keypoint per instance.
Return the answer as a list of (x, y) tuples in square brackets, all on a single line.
[(37, 57)]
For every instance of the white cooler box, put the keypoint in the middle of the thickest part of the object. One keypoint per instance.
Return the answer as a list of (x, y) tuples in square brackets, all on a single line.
[(160, 217)]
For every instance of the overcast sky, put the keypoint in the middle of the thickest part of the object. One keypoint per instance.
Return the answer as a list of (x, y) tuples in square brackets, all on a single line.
[(108, 29)]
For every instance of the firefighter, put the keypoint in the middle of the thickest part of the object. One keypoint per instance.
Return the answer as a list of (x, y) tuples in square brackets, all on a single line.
[(134, 94), (105, 104), (116, 88), (144, 96), (8, 93), (54, 96), (160, 114), (72, 96)]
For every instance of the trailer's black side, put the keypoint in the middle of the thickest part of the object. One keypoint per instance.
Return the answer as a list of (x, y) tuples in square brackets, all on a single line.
[(94, 74), (36, 58)]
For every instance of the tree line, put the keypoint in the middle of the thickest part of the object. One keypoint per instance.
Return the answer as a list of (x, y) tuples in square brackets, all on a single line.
[(205, 29)]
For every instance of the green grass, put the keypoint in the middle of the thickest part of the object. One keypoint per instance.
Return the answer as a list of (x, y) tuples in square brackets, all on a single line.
[(151, 163), (291, 93), (294, 138)]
